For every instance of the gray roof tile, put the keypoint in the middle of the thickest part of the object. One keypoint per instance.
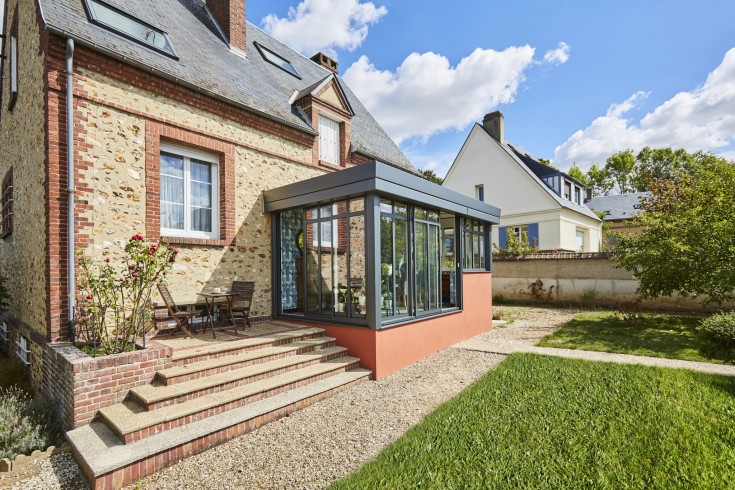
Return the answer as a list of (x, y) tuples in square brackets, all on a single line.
[(618, 207), (206, 62)]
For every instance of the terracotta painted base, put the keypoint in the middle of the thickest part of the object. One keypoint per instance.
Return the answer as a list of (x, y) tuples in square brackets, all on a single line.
[(388, 350)]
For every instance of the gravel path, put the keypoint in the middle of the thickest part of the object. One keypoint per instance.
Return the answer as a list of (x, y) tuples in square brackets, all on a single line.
[(330, 439), (60, 472)]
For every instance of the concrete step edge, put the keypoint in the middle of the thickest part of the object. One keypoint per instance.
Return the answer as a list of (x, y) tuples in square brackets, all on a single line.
[(149, 394), (104, 452), (219, 348), (125, 424), (247, 356)]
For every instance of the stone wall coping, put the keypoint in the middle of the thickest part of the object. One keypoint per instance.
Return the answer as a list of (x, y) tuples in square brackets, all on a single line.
[(80, 361), (555, 256)]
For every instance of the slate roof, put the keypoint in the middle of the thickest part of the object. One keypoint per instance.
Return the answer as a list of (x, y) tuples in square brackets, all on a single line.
[(515, 154), (620, 207), (205, 63)]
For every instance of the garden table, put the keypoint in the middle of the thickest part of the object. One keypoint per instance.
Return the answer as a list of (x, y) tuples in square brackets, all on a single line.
[(210, 302)]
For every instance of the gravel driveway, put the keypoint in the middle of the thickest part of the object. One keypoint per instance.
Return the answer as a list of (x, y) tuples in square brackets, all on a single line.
[(329, 440)]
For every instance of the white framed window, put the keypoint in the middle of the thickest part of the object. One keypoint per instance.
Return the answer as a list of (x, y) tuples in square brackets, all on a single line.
[(189, 193), (518, 231), (329, 150), (328, 234), (4, 331), (480, 192), (577, 195), (567, 190), (13, 70), (24, 351), (580, 240)]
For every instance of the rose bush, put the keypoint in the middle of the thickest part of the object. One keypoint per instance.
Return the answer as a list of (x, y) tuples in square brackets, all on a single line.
[(114, 308)]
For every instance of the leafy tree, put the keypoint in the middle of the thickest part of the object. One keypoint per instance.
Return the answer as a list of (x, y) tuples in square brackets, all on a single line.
[(514, 246), (600, 180), (431, 176), (660, 163), (578, 174), (687, 240), (623, 170)]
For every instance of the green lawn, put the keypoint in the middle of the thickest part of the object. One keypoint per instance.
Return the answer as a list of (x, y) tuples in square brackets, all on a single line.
[(546, 422), (674, 337)]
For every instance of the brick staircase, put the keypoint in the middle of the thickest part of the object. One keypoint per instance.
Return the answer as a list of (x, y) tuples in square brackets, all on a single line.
[(211, 394)]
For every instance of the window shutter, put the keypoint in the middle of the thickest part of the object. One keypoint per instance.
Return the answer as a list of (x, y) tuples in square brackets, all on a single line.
[(329, 140), (503, 236), (533, 238)]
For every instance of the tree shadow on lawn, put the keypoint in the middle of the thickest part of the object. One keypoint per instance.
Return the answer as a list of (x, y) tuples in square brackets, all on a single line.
[(655, 335)]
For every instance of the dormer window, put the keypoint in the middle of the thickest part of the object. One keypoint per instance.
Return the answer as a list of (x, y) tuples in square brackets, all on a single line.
[(128, 26), (277, 60), (567, 190)]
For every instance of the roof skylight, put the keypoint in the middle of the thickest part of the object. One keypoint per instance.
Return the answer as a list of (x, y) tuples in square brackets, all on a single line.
[(277, 60), (125, 24)]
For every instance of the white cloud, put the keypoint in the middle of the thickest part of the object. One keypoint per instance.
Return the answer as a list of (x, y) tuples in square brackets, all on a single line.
[(324, 25), (559, 55), (701, 119), (426, 95)]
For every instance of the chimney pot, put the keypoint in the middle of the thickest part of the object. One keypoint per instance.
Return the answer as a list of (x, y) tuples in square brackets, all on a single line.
[(494, 124), (325, 61), (230, 15)]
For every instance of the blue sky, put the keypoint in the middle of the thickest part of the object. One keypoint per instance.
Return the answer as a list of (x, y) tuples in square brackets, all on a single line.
[(576, 80)]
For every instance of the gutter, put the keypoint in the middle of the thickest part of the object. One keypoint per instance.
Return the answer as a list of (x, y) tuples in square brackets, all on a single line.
[(70, 252), (172, 78)]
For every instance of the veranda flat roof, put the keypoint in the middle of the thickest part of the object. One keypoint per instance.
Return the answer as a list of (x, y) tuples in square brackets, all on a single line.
[(380, 178)]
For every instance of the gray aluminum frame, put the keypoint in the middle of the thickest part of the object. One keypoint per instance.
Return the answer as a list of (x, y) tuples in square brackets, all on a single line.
[(374, 180)]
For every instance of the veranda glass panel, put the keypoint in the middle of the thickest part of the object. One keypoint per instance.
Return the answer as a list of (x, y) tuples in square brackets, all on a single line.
[(292, 262), (328, 288), (433, 273), (422, 267), (449, 262), (358, 298), (313, 276), (386, 265), (340, 265), (401, 270)]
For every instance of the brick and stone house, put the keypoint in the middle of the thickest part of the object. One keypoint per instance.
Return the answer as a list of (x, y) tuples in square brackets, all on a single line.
[(178, 118)]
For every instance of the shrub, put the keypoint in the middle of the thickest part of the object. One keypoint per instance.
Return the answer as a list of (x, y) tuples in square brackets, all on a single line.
[(589, 295), (720, 326), (26, 423)]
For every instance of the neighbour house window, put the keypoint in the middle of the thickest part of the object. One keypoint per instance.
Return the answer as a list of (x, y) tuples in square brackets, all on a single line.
[(189, 193), (580, 240), (121, 22), (7, 205), (329, 148), (277, 60), (13, 71), (4, 331), (24, 351), (519, 231), (577, 195), (567, 190), (480, 192), (474, 245)]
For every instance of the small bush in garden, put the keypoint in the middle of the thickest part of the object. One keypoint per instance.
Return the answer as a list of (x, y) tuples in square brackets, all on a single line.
[(589, 295), (115, 304), (720, 326), (26, 423)]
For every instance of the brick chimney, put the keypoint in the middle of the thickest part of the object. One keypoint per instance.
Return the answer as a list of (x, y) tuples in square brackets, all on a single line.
[(325, 61), (494, 124), (230, 15)]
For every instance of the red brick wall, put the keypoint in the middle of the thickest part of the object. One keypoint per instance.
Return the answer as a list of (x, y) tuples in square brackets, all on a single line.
[(79, 385)]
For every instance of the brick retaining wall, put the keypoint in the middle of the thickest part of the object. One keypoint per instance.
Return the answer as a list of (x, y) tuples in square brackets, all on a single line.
[(79, 385)]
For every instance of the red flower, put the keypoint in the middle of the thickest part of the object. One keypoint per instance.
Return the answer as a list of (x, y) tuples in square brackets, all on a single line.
[(107, 260), (135, 274), (89, 296), (137, 237), (171, 259), (131, 267)]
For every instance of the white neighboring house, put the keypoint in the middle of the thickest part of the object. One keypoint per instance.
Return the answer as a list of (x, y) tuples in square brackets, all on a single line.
[(544, 202)]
